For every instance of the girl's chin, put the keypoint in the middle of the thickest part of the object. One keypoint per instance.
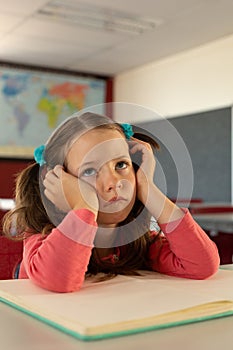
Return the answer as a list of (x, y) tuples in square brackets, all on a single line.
[(114, 218)]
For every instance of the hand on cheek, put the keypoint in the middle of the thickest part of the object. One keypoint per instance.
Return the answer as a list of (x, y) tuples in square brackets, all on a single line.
[(145, 173), (67, 192), (54, 189)]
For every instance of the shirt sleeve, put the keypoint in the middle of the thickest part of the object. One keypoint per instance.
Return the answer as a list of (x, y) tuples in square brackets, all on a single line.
[(184, 250), (59, 261)]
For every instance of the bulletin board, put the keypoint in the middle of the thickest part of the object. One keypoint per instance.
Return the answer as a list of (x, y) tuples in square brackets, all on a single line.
[(33, 102)]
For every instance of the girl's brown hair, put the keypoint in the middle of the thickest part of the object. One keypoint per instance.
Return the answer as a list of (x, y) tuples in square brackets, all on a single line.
[(32, 212)]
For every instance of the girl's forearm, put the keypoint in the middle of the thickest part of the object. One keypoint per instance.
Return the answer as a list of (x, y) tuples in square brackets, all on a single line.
[(160, 207), (59, 261)]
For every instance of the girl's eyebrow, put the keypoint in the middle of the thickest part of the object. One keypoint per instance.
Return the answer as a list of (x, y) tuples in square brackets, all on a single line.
[(94, 163), (122, 156)]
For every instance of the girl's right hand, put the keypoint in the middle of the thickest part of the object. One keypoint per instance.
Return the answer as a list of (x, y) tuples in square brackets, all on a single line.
[(68, 192)]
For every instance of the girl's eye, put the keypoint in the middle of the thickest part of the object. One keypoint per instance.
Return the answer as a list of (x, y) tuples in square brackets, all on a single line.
[(89, 172), (122, 165)]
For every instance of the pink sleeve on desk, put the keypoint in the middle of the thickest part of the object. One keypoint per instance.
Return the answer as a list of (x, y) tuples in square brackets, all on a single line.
[(59, 261), (186, 251)]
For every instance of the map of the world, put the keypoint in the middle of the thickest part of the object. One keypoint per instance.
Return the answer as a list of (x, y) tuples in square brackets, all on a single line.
[(33, 104)]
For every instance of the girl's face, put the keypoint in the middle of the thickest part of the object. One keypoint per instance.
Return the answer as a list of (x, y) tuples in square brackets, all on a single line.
[(101, 158)]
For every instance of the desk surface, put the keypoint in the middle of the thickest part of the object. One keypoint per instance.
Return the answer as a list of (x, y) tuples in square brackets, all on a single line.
[(22, 332)]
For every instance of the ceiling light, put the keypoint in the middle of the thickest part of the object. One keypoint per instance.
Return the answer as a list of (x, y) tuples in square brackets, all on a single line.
[(96, 17)]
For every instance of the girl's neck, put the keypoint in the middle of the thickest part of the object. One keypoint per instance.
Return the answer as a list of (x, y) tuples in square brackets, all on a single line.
[(103, 252), (105, 237)]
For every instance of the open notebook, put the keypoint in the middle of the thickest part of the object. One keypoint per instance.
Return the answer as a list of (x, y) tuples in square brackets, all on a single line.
[(124, 305)]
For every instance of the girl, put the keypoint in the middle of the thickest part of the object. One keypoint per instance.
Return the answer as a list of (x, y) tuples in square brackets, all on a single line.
[(85, 207)]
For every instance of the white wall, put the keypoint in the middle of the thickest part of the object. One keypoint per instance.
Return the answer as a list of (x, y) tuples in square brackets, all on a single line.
[(192, 81)]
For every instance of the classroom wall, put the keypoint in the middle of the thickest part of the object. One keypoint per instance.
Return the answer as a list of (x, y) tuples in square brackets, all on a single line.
[(9, 168), (191, 85), (197, 80)]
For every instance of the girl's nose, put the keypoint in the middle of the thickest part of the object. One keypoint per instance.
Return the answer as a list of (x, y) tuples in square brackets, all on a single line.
[(110, 180)]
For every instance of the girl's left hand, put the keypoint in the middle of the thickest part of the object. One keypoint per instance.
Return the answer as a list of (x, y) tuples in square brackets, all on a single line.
[(145, 173)]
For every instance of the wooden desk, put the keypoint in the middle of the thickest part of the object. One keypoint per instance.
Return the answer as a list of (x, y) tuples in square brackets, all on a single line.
[(22, 332)]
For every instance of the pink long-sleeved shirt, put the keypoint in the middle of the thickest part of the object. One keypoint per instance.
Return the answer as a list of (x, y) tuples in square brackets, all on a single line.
[(59, 261)]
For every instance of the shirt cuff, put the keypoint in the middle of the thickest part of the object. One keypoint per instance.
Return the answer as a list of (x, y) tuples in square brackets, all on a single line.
[(172, 225), (79, 226)]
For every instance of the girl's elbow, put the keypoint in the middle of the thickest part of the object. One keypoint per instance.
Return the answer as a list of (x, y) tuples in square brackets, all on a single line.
[(210, 268), (66, 289), (60, 288), (57, 286), (66, 286)]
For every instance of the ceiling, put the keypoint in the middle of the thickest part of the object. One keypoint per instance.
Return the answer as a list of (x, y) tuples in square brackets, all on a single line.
[(107, 37)]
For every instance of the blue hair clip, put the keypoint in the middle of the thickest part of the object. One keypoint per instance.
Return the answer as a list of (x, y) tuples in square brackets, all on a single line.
[(39, 155), (128, 130)]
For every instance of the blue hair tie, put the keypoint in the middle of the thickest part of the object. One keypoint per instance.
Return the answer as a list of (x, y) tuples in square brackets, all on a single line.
[(128, 130), (39, 155)]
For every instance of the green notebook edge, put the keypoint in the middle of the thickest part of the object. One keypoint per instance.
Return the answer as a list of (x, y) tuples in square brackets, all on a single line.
[(112, 334)]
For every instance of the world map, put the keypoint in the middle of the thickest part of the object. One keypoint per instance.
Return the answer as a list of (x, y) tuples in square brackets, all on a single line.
[(33, 104)]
